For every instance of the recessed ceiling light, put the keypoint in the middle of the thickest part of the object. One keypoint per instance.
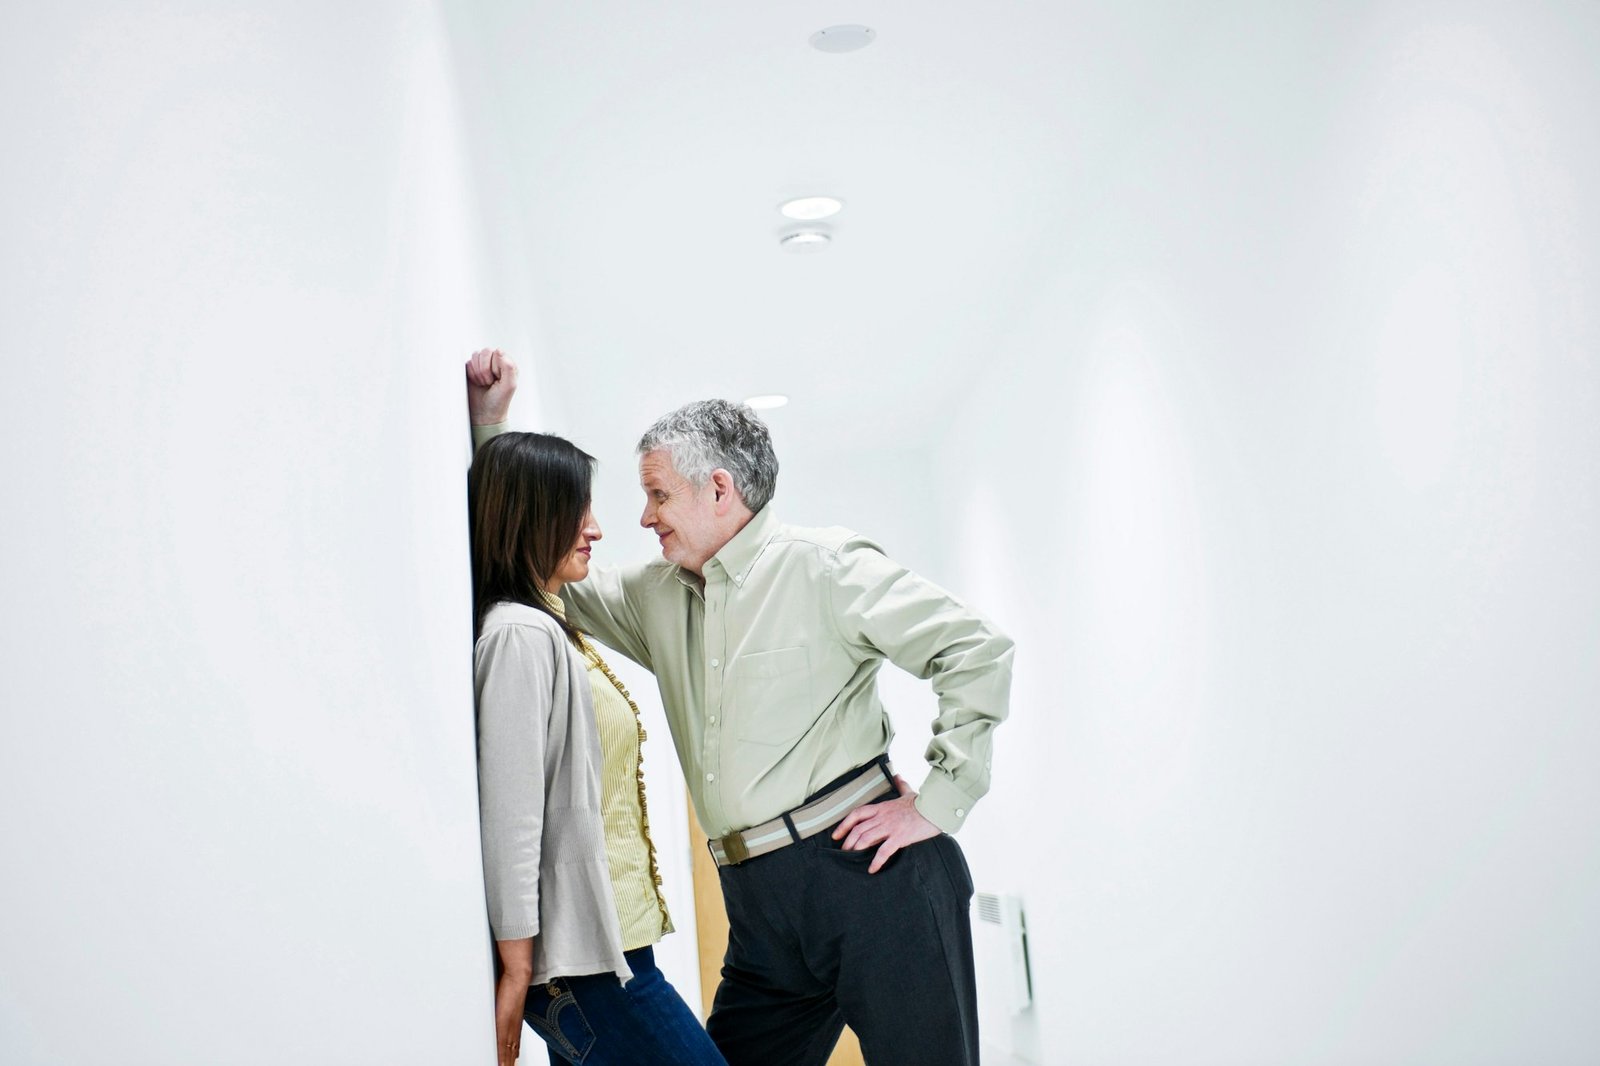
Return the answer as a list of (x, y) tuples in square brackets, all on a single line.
[(762, 403), (811, 208), (843, 38), (806, 240)]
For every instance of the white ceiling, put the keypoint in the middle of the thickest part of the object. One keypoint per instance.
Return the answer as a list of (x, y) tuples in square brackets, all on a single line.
[(651, 144), (985, 153)]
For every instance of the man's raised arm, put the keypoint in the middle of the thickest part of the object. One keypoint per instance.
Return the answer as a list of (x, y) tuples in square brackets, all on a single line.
[(602, 608)]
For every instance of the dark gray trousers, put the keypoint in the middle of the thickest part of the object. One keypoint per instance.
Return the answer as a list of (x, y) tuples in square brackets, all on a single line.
[(816, 942)]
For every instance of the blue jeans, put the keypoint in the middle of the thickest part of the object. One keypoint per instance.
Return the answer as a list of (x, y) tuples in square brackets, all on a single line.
[(596, 1021)]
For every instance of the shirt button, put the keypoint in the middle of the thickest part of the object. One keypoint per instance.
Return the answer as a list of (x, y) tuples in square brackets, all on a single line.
[(711, 777), (715, 663), (712, 720), (961, 812)]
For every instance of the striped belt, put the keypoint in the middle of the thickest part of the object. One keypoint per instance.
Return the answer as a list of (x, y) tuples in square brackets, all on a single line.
[(805, 821)]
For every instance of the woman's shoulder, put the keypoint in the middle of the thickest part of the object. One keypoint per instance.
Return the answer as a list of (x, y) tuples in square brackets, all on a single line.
[(516, 637), (513, 620)]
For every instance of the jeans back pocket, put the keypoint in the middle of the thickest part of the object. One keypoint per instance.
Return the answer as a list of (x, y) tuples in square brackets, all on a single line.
[(552, 1011)]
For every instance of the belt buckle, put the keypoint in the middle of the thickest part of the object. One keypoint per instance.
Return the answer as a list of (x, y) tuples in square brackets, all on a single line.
[(733, 848)]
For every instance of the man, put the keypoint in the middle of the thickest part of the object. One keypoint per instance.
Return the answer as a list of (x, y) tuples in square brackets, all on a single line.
[(766, 641)]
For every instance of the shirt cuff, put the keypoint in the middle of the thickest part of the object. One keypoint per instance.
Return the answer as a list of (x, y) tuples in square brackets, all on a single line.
[(483, 433), (942, 802)]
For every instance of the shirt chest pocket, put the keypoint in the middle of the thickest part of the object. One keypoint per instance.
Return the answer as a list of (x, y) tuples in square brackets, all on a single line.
[(770, 692)]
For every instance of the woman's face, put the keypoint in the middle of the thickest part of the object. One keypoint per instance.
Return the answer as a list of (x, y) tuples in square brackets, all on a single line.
[(575, 567)]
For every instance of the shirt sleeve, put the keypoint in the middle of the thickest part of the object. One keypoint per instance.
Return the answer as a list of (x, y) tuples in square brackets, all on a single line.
[(515, 673), (480, 434), (881, 606), (606, 605)]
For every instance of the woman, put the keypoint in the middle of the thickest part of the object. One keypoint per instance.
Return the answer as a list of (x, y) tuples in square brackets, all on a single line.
[(574, 898)]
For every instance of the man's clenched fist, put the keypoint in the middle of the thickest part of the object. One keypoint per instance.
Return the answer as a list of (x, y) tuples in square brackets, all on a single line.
[(491, 382)]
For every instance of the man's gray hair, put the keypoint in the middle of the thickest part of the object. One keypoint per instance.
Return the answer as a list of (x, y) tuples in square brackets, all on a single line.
[(708, 434)]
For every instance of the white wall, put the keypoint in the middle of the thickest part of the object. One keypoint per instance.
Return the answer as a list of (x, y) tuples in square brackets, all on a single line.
[(237, 795), (1287, 489), (1289, 492)]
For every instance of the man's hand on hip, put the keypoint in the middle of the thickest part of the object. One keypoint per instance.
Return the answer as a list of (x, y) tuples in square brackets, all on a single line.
[(891, 825), (491, 382)]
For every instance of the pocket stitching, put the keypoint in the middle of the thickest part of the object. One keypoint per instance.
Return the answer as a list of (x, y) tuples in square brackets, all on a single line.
[(747, 674), (551, 1026)]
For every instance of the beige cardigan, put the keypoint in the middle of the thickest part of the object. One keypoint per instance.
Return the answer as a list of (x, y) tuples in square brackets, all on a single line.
[(544, 851)]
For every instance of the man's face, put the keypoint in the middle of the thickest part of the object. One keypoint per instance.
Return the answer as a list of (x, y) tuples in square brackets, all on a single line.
[(683, 518)]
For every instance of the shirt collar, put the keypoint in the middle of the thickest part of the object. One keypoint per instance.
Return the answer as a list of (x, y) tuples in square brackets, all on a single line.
[(555, 604), (739, 555)]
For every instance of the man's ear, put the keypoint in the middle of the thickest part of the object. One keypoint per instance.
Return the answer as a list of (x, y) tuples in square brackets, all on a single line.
[(722, 482)]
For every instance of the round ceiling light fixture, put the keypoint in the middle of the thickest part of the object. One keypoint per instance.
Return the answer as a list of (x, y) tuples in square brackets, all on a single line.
[(806, 240), (768, 402), (811, 208), (838, 39)]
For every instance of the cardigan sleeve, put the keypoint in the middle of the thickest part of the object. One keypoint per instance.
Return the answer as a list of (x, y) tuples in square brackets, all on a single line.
[(515, 668)]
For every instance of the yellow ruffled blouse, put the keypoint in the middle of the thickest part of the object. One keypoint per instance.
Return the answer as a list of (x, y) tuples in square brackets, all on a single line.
[(635, 878)]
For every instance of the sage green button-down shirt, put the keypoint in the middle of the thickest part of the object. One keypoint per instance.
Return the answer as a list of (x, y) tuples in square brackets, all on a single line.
[(768, 668)]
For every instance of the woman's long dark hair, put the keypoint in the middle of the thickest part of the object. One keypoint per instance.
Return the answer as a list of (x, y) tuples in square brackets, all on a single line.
[(527, 495)]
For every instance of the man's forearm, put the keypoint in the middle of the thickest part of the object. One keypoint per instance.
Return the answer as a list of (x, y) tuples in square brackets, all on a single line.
[(974, 688)]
